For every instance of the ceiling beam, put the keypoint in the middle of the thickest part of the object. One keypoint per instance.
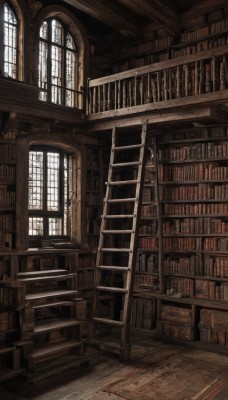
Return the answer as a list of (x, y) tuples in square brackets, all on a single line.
[(111, 14), (159, 12)]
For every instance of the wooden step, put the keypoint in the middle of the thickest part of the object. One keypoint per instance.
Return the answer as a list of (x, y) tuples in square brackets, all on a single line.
[(30, 274), (113, 268), (49, 278), (50, 294), (107, 321), (111, 289), (54, 367), (53, 304), (53, 350), (54, 324)]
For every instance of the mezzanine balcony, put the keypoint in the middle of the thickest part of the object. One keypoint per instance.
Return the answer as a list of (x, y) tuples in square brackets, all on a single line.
[(195, 85)]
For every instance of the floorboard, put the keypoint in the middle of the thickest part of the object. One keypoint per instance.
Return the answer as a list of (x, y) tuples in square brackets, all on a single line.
[(157, 371)]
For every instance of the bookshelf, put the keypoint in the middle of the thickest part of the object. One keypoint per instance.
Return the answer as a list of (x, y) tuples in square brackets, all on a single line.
[(93, 195), (148, 271), (7, 192), (206, 37), (192, 241)]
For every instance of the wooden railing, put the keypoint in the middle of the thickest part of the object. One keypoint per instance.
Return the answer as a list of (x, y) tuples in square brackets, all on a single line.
[(193, 75)]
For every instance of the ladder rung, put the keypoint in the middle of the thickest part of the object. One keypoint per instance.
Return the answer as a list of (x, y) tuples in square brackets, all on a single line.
[(119, 216), (113, 268), (132, 199), (117, 231), (108, 321), (132, 182), (132, 146), (107, 249), (111, 289), (125, 164)]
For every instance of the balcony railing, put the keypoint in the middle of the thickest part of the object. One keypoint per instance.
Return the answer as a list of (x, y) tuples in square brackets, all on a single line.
[(193, 75)]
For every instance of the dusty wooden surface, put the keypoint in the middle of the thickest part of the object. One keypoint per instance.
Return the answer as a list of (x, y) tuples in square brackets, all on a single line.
[(157, 371)]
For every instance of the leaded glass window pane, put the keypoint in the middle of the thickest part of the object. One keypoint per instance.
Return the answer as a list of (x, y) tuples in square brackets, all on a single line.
[(56, 75), (10, 42), (57, 64), (55, 226), (42, 69), (70, 42), (36, 180), (52, 181), (36, 226), (56, 32), (44, 30)]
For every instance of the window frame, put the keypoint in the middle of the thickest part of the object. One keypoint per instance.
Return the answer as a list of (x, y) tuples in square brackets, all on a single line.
[(44, 213), (2, 46), (63, 47)]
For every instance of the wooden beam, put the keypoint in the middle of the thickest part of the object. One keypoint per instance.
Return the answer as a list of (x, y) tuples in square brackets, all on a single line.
[(201, 114), (159, 12), (208, 99), (111, 14)]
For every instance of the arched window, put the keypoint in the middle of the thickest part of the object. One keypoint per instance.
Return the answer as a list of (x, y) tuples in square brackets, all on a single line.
[(49, 192), (10, 33), (58, 61)]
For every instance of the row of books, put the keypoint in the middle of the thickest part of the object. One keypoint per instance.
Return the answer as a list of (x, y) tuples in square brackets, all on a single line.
[(7, 173), (6, 222), (151, 228), (215, 244), (7, 198), (205, 289), (192, 244), (148, 243), (8, 321), (211, 132), (7, 151), (201, 191), (201, 45), (181, 265), (12, 296), (148, 194), (194, 151), (192, 172), (147, 280), (195, 226), (147, 263), (148, 210), (182, 286), (215, 266), (195, 209)]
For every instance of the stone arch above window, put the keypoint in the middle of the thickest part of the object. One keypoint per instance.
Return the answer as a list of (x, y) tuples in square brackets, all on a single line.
[(61, 47)]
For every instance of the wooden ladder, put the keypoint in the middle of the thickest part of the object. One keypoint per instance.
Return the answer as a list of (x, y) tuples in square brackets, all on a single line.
[(116, 255)]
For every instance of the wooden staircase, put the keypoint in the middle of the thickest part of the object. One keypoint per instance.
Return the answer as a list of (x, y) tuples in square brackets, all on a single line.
[(49, 323), (116, 254)]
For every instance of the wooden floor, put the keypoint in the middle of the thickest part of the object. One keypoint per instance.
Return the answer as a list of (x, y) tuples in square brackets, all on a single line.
[(157, 371)]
